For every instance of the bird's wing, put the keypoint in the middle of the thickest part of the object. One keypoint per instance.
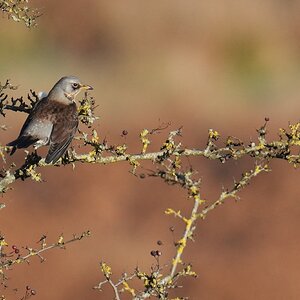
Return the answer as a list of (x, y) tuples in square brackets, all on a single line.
[(35, 128), (39, 106), (64, 129)]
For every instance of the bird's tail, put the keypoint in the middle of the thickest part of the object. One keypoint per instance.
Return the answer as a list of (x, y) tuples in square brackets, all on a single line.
[(22, 142)]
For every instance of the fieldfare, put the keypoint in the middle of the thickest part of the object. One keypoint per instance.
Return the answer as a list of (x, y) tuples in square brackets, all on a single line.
[(53, 120)]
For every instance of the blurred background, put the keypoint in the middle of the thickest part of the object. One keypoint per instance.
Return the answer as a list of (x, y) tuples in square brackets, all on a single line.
[(201, 64)]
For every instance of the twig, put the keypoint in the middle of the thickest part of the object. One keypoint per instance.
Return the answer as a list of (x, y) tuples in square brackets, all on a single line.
[(32, 252)]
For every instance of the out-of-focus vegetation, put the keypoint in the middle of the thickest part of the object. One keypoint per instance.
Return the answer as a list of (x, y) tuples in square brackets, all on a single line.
[(18, 10)]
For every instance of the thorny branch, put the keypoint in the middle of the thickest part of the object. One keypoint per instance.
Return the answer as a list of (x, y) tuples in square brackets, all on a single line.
[(169, 167), (8, 258), (7, 262), (102, 153), (156, 284)]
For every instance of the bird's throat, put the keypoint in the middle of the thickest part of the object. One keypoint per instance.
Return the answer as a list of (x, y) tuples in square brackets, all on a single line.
[(69, 96)]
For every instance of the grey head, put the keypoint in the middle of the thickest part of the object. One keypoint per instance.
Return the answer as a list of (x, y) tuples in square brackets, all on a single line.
[(66, 89)]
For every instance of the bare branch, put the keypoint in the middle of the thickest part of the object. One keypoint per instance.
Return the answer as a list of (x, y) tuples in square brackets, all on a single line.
[(6, 263)]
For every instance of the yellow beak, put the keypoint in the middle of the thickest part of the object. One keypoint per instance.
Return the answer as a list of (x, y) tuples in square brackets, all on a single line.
[(86, 87)]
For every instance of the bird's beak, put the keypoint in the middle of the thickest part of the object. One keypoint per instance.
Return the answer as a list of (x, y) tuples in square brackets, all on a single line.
[(86, 87)]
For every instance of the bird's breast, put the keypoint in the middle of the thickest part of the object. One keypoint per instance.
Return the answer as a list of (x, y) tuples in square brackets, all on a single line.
[(55, 112)]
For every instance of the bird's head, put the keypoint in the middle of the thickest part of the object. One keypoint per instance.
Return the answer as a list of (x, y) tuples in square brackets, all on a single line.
[(67, 88)]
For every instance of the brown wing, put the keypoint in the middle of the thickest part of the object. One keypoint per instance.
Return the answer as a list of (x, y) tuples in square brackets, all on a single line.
[(64, 129)]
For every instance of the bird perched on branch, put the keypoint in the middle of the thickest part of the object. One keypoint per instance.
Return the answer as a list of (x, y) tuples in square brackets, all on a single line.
[(53, 120)]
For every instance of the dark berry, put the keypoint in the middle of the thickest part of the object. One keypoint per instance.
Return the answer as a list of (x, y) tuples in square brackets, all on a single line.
[(33, 292)]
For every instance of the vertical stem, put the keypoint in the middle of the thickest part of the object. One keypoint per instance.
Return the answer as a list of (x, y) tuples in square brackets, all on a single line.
[(189, 223)]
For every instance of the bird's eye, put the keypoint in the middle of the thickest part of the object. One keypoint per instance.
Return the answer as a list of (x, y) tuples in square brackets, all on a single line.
[(75, 86)]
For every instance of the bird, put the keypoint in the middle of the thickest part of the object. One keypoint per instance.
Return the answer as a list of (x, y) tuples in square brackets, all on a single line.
[(53, 120)]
